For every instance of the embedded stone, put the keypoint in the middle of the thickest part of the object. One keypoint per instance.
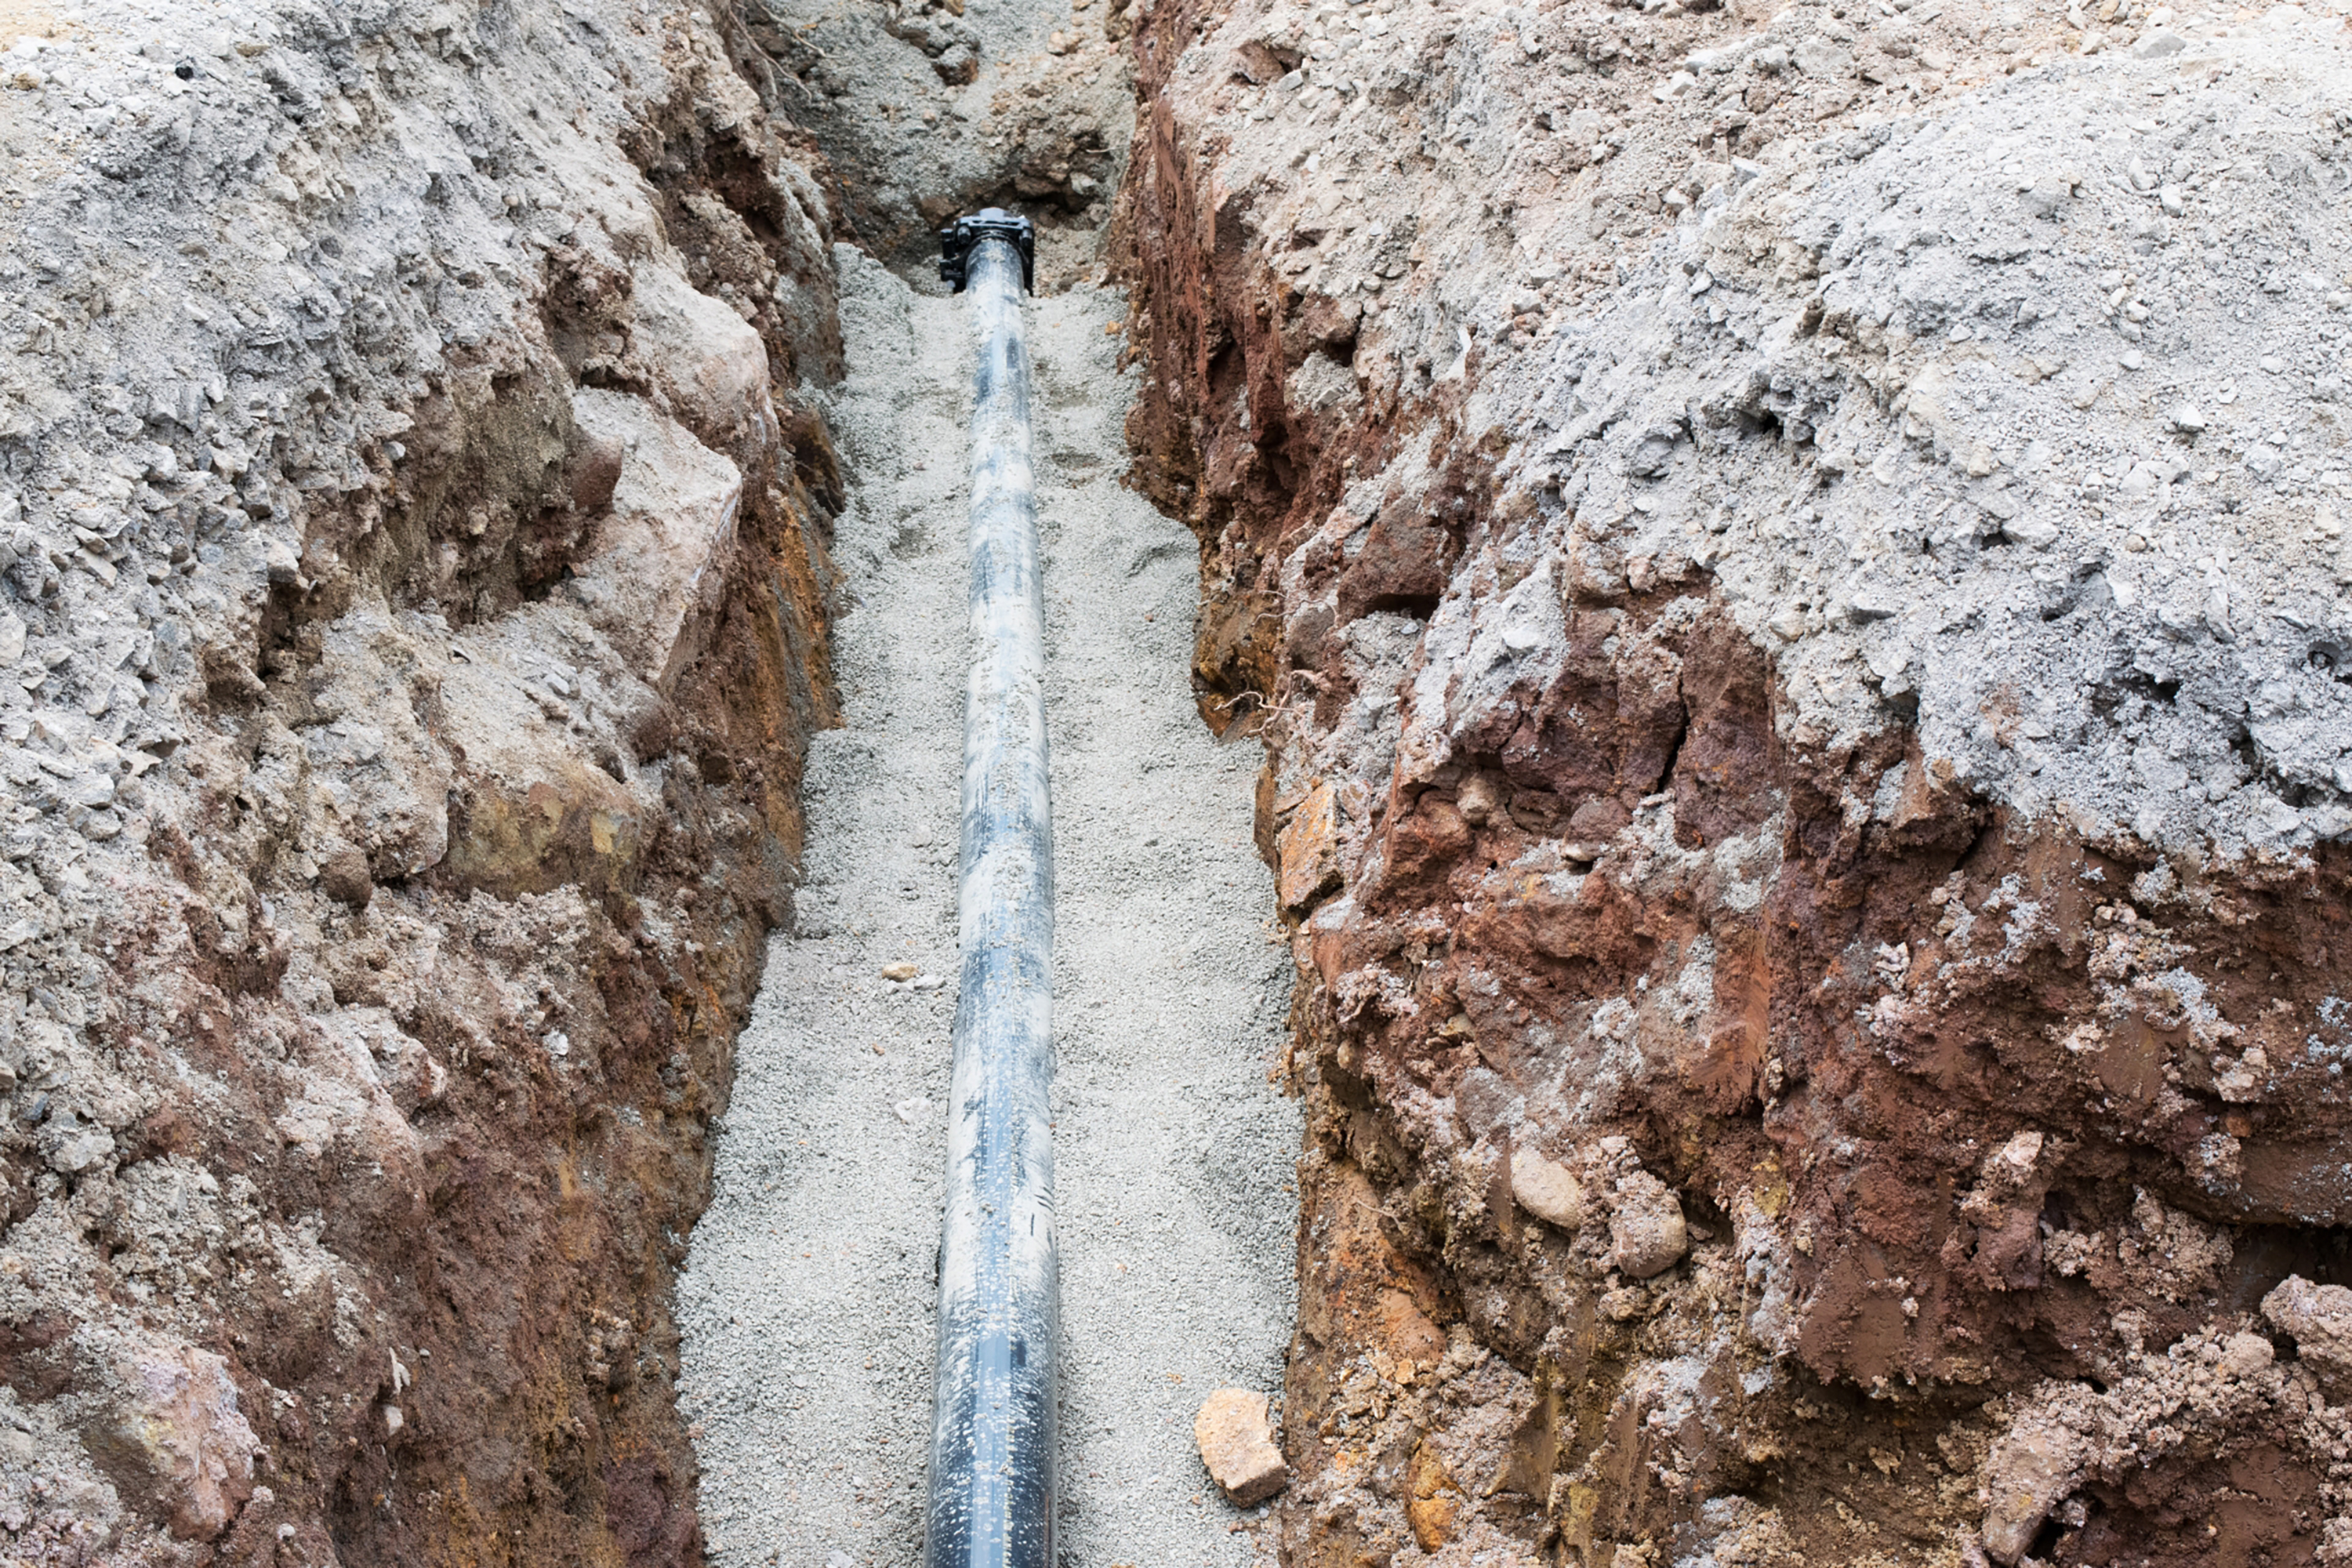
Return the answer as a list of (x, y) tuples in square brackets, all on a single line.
[(1545, 1189)]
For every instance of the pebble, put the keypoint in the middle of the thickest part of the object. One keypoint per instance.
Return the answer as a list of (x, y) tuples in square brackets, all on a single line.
[(901, 972), (1875, 604), (2188, 418), (1545, 1189)]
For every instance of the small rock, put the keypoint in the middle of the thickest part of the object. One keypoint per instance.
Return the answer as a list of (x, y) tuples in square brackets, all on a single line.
[(2319, 1319), (2159, 45), (2172, 199), (2036, 1463), (283, 564), (1545, 1189), (78, 1146), (12, 638), (1309, 849), (1237, 1445), (92, 789), (1820, 58), (2033, 533), (2046, 195), (901, 972), (2132, 359), (344, 877), (179, 1428), (2245, 1354), (1874, 603), (1646, 1231), (2274, 364), (2188, 418)]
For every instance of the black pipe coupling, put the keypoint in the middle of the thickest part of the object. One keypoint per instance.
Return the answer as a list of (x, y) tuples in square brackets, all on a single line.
[(988, 222)]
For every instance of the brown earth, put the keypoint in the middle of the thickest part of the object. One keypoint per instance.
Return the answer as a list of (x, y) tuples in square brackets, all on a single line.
[(1934, 1160)]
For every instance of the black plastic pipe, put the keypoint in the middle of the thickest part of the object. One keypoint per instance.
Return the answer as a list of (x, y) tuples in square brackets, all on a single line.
[(992, 1417)]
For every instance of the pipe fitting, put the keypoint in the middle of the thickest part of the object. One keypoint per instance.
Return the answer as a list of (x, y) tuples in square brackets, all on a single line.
[(956, 242)]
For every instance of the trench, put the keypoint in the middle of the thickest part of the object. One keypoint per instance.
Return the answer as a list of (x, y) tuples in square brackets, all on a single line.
[(807, 1301), (484, 569)]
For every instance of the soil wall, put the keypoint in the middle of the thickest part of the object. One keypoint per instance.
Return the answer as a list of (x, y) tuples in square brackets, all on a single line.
[(1801, 716), (416, 611)]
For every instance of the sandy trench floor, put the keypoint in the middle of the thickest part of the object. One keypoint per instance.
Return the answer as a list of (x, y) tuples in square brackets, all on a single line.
[(808, 1299)]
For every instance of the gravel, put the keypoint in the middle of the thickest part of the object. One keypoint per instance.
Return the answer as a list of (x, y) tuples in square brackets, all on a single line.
[(808, 1302)]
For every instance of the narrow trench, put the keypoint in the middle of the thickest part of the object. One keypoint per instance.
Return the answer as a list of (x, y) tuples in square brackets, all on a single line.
[(807, 1301)]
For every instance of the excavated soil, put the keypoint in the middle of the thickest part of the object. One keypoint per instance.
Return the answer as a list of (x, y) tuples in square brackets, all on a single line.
[(1786, 572), (1786, 565)]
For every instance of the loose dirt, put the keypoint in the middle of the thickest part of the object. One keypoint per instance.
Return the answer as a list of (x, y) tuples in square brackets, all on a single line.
[(808, 1298)]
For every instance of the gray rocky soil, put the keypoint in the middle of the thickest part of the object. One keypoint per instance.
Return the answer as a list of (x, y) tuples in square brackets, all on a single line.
[(808, 1301)]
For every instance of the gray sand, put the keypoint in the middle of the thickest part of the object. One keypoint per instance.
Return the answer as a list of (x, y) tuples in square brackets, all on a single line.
[(807, 1303)]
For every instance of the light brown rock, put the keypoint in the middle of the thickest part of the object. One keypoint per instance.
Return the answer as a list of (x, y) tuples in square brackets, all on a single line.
[(2038, 1462), (1647, 1232), (343, 877), (179, 1430), (2319, 1318), (1433, 1499), (1545, 1189), (1237, 1444), (1309, 849)]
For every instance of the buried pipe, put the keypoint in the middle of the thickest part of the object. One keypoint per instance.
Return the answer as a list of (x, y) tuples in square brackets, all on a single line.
[(993, 1415)]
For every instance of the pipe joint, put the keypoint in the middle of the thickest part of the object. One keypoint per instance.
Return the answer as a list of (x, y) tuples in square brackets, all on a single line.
[(956, 240)]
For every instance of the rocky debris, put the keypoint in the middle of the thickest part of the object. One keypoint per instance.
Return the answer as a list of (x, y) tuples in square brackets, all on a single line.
[(1239, 1446), (2167, 1407), (403, 405), (1793, 621)]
